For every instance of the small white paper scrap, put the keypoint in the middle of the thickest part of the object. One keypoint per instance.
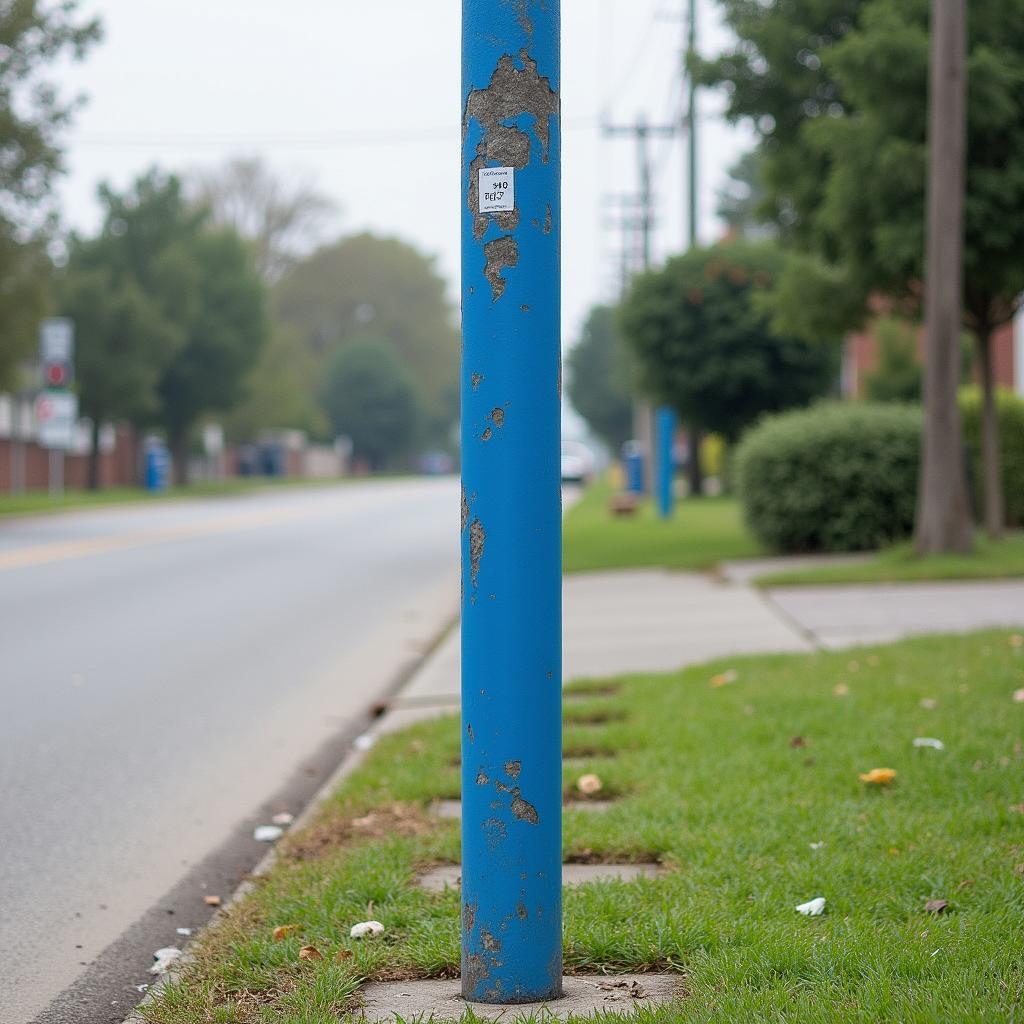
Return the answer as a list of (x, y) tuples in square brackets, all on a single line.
[(497, 189), (929, 741), (813, 908)]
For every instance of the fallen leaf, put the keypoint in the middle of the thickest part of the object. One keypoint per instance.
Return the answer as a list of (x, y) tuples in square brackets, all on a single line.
[(342, 955), (1018, 869), (310, 953), (212, 901), (1018, 696), (966, 883), (284, 930), (840, 690), (936, 906), (812, 908), (853, 666), (588, 785), (929, 703), (1016, 640), (878, 776), (1017, 808), (797, 741), (725, 678)]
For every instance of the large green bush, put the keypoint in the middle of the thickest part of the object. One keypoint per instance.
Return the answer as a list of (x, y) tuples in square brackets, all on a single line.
[(836, 477), (1011, 433)]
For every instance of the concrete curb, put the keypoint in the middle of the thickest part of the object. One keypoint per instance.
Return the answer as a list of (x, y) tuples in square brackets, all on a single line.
[(352, 760)]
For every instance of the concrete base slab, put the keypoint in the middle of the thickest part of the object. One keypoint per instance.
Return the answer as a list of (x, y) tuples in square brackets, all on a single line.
[(451, 810), (449, 876), (582, 997)]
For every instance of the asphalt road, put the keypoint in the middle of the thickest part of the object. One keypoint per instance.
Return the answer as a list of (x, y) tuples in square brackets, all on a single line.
[(163, 671)]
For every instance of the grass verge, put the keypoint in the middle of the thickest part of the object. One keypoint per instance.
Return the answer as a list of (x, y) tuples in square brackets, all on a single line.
[(990, 560), (749, 794), (701, 533), (40, 503)]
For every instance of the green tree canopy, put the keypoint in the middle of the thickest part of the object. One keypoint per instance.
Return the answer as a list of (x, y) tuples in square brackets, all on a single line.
[(598, 378), (370, 398), (381, 287), (34, 36), (123, 344), (838, 91), (706, 347), (199, 281)]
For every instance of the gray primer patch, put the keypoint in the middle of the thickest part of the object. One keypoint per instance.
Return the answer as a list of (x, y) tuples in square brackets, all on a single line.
[(547, 221), (498, 417), (476, 380), (465, 510), (498, 254), (512, 92), (523, 809), (487, 434), (513, 768), (477, 542)]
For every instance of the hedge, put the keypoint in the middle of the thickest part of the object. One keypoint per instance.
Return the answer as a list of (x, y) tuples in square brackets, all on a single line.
[(1011, 436)]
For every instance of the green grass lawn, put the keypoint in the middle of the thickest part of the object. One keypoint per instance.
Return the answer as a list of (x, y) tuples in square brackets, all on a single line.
[(991, 560), (702, 532), (748, 794)]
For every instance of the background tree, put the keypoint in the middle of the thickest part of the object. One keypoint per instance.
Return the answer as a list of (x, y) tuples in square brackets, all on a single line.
[(370, 398), (705, 346), (283, 221), (897, 375), (598, 379), (123, 341), (368, 286), (201, 281), (838, 91), (34, 36), (743, 202)]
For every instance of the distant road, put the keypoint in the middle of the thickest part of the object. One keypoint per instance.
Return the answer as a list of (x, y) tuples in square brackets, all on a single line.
[(164, 670)]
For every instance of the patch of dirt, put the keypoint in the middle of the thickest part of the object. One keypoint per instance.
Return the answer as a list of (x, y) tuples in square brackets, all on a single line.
[(588, 856), (333, 833), (593, 690), (597, 716)]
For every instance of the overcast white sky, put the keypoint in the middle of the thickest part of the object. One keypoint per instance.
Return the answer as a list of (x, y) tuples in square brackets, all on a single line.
[(363, 99)]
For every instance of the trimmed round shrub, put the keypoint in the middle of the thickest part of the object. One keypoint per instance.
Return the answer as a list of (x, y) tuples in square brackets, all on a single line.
[(836, 477), (1011, 443)]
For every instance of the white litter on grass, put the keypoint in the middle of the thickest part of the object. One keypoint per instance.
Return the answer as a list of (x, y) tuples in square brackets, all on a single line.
[(364, 742), (929, 741), (1018, 696), (367, 930), (163, 959), (267, 833), (818, 846), (813, 908), (284, 818), (183, 931)]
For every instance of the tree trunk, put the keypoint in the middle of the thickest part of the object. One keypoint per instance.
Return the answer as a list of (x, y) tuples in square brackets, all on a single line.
[(991, 462), (179, 457), (94, 456), (695, 470), (943, 522)]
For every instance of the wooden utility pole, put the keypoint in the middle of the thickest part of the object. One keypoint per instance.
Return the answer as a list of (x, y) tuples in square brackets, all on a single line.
[(943, 520)]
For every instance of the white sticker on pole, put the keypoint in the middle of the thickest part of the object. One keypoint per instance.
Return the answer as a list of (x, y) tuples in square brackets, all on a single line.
[(497, 189)]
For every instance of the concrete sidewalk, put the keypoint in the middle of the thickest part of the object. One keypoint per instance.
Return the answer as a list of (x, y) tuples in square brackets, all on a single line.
[(659, 621)]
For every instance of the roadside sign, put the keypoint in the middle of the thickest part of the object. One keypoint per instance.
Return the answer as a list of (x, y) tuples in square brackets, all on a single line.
[(56, 418), (57, 352)]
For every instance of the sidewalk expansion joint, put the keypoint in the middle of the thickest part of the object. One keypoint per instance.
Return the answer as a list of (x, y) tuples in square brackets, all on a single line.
[(583, 996), (449, 876)]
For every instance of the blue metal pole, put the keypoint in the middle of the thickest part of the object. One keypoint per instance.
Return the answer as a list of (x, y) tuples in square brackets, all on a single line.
[(666, 431), (511, 506)]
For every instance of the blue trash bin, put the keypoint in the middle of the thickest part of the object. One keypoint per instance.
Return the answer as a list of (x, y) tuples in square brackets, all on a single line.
[(158, 464), (633, 463)]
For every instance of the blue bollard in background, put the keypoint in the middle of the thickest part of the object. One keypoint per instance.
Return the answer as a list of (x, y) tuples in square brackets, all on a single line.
[(511, 503), (665, 429)]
